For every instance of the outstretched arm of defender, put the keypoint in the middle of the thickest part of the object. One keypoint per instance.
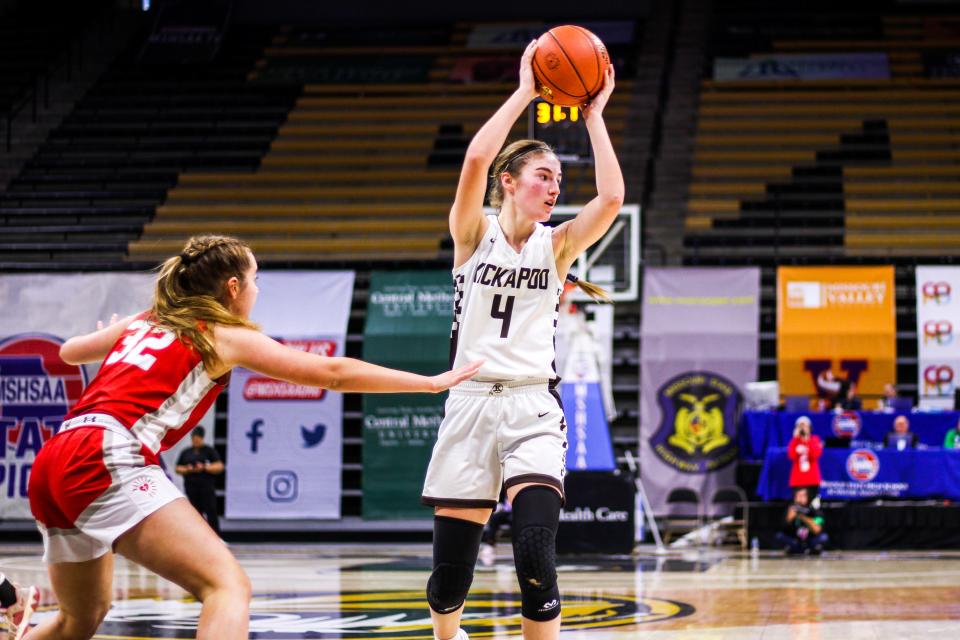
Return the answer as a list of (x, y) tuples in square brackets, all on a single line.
[(597, 216), (466, 214), (239, 346)]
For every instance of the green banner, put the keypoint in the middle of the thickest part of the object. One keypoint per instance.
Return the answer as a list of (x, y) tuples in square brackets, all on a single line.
[(408, 327)]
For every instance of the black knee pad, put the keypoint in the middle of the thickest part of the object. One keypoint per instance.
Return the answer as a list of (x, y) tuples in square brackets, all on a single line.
[(536, 514), (456, 544)]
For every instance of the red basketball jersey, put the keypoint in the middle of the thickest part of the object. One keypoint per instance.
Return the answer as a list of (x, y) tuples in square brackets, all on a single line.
[(153, 384)]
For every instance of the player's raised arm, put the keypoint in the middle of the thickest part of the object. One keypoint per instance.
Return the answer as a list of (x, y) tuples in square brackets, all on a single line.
[(93, 346), (597, 216), (466, 215), (240, 346)]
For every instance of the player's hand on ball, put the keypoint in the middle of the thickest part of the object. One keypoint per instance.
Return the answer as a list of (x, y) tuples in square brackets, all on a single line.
[(528, 83), (595, 107), (454, 377)]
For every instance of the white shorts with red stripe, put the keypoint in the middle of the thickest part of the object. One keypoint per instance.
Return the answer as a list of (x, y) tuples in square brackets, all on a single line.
[(89, 485)]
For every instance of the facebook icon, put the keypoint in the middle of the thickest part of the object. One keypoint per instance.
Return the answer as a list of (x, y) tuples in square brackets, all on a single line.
[(255, 434)]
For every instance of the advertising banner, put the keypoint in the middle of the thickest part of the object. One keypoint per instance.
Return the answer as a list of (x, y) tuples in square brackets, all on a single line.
[(835, 325), (583, 391), (285, 440), (938, 350), (866, 473), (409, 315), (37, 388), (699, 347), (806, 66)]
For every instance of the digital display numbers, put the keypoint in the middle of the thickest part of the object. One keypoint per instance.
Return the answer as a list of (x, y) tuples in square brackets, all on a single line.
[(553, 113), (562, 128)]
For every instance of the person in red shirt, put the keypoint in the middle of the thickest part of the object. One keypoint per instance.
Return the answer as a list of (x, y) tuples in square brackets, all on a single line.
[(97, 488), (804, 450)]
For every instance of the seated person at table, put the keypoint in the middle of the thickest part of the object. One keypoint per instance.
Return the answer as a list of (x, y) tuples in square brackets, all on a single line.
[(886, 403), (828, 388), (849, 400), (804, 451), (901, 437), (952, 439), (803, 527)]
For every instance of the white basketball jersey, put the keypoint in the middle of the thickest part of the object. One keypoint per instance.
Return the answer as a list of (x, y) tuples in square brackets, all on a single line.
[(505, 307)]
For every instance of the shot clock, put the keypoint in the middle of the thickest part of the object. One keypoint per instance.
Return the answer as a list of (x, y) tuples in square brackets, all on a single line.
[(562, 128)]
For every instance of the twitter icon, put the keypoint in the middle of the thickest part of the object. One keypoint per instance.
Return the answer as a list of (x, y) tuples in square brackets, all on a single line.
[(313, 437)]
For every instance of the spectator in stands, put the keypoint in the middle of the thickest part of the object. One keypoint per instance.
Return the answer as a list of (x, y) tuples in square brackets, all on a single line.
[(901, 437), (198, 465), (849, 400), (803, 530), (952, 439), (886, 403), (804, 451)]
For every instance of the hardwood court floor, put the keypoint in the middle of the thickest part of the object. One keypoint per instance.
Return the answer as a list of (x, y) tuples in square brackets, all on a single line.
[(376, 591)]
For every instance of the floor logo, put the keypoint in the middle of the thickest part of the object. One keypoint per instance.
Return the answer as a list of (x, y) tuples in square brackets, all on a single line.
[(384, 615)]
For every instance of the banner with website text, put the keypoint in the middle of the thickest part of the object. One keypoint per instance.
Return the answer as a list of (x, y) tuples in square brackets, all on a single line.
[(285, 444), (409, 314), (938, 350), (835, 325), (699, 347), (40, 311)]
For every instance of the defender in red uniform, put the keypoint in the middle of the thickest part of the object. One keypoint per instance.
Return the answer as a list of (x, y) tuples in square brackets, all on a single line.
[(97, 488)]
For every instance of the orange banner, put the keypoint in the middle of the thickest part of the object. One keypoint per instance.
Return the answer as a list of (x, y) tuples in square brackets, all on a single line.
[(836, 325)]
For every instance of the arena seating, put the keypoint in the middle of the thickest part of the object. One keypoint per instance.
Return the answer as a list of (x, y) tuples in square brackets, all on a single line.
[(842, 171), (833, 168), (97, 179), (34, 43), (359, 170)]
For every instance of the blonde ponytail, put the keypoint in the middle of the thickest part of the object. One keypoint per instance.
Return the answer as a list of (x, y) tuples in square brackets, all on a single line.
[(599, 294), (191, 291)]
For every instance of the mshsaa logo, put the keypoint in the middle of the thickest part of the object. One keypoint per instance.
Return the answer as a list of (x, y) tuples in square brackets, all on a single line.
[(37, 389), (863, 465), (846, 425)]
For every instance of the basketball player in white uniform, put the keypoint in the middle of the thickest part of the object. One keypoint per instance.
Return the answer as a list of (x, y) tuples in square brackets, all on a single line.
[(505, 426)]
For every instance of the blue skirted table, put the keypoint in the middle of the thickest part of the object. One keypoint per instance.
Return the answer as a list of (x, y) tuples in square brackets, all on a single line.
[(856, 474), (760, 430)]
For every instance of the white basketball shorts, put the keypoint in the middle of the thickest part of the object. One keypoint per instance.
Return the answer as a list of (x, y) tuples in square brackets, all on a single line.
[(89, 485), (493, 435)]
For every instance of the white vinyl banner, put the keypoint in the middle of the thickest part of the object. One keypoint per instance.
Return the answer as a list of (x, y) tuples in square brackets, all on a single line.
[(38, 312), (938, 320), (284, 450)]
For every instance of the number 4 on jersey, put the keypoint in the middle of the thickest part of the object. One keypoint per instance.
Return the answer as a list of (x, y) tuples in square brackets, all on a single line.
[(503, 315)]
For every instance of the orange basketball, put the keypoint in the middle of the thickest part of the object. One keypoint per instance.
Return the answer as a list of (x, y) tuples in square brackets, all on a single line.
[(569, 65)]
